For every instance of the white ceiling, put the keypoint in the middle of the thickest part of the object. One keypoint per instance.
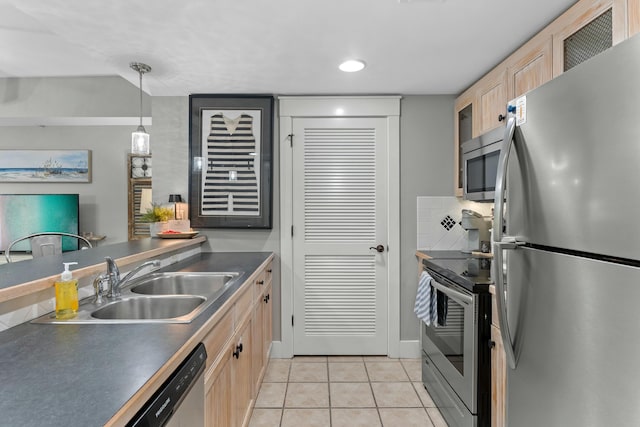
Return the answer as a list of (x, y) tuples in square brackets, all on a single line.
[(270, 46)]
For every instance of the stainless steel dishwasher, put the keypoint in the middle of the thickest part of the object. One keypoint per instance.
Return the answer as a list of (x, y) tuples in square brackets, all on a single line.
[(180, 400)]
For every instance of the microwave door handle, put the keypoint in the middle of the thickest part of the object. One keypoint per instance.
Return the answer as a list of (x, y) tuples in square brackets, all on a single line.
[(501, 178), (452, 293)]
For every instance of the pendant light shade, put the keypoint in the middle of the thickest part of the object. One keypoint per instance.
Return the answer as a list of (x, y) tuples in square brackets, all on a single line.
[(140, 138)]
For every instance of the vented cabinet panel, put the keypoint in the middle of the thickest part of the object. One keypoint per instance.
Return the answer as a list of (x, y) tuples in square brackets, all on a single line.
[(590, 40)]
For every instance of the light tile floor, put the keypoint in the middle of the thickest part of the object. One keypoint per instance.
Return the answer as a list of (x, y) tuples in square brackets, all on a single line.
[(351, 391)]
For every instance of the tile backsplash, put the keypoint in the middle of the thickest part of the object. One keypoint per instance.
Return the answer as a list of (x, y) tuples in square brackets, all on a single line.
[(439, 222)]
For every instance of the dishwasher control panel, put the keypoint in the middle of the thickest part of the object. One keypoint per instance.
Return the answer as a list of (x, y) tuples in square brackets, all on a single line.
[(166, 400)]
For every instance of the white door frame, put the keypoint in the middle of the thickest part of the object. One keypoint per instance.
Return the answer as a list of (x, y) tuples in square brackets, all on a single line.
[(338, 106)]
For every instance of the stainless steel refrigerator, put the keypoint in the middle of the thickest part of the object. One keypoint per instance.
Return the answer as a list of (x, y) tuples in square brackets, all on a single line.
[(567, 262)]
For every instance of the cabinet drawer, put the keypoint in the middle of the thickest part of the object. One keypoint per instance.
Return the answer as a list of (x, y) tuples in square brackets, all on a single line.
[(263, 281), (215, 339), (259, 285), (243, 305), (268, 274)]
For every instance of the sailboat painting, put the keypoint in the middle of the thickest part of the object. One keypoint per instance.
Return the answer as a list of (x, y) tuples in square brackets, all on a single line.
[(72, 166)]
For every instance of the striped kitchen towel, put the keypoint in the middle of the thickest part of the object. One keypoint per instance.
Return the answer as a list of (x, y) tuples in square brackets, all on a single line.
[(426, 301)]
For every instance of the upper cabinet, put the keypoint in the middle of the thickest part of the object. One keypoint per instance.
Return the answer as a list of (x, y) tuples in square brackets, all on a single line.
[(633, 12), (463, 131), (530, 67), (491, 99), (584, 30)]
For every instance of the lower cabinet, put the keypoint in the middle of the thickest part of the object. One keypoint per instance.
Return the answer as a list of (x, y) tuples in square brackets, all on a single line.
[(241, 378), (267, 324), (232, 380), (218, 393), (498, 380)]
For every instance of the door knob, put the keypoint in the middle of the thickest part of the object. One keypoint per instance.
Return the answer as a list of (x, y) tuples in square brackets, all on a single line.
[(379, 248)]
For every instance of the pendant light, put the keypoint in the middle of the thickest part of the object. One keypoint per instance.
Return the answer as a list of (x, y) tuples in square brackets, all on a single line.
[(140, 138)]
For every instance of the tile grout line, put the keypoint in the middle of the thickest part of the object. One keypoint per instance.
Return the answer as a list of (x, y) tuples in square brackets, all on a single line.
[(372, 393)]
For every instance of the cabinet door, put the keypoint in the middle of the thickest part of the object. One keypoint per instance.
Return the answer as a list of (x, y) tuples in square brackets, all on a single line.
[(463, 131), (633, 11), (257, 337), (586, 29), (491, 100), (267, 324), (498, 380), (241, 375), (218, 396), (532, 66)]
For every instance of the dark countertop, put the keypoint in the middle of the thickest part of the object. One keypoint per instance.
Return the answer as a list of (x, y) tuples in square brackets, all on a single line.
[(81, 375)]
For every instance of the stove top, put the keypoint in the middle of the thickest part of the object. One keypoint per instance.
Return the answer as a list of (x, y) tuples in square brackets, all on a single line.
[(472, 273)]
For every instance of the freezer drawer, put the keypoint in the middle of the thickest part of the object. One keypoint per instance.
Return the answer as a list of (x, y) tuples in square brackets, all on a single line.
[(450, 406)]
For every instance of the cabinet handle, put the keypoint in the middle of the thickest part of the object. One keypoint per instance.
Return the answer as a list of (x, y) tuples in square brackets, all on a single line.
[(260, 282), (492, 344), (501, 118), (266, 298), (269, 270), (238, 350)]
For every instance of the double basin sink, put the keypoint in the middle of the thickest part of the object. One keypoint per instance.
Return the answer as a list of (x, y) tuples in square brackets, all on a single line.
[(155, 298)]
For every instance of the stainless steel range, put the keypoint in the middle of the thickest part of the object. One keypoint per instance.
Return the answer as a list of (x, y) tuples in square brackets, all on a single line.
[(456, 354)]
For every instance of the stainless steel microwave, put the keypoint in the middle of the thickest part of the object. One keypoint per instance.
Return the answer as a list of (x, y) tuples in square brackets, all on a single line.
[(480, 165)]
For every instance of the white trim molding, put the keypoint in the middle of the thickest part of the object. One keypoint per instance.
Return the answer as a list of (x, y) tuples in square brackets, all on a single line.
[(341, 106)]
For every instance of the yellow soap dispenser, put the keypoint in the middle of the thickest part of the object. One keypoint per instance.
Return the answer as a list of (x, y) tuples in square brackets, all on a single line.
[(66, 294)]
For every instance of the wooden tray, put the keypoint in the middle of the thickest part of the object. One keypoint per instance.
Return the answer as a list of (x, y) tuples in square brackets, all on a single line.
[(184, 235)]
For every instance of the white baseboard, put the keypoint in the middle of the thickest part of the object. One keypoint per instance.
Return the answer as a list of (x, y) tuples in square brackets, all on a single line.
[(408, 349), (279, 352)]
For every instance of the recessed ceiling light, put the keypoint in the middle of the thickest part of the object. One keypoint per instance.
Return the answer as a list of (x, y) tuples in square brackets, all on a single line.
[(352, 65)]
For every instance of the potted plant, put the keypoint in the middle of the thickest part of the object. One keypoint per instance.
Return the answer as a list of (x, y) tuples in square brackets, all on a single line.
[(158, 217)]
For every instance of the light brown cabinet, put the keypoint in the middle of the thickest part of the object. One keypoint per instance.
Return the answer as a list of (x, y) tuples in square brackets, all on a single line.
[(633, 12), (464, 130), (498, 380), (218, 392), (241, 377), (237, 354), (530, 67), (491, 100), (267, 324), (262, 324)]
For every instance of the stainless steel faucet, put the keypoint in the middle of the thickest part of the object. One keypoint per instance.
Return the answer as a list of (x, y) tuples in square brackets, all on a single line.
[(113, 275)]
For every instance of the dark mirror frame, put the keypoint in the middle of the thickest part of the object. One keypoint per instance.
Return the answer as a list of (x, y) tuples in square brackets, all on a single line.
[(202, 102)]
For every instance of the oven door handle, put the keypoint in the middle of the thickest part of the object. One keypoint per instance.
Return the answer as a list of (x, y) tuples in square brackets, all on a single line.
[(452, 293)]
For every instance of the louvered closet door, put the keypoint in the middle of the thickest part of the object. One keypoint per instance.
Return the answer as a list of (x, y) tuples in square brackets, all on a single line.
[(339, 213)]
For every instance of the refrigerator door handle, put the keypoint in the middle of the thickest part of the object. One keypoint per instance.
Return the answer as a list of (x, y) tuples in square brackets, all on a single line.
[(505, 333), (501, 178)]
